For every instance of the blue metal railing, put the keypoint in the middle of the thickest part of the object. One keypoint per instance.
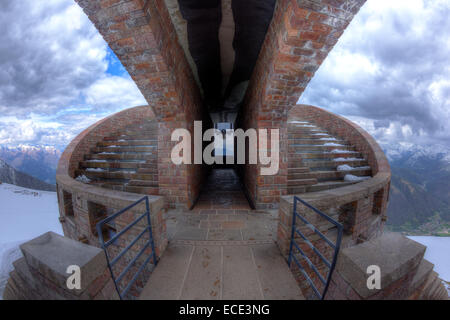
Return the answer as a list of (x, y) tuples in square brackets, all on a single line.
[(114, 238), (330, 265)]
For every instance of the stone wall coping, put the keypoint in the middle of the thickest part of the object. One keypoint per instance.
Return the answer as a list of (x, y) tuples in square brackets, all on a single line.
[(343, 195), (110, 198), (395, 254), (51, 254)]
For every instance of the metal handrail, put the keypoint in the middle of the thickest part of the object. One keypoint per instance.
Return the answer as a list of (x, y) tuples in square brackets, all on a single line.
[(293, 244), (150, 242)]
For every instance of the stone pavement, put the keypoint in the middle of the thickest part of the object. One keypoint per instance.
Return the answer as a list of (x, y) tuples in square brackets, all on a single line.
[(222, 250), (214, 225), (222, 271)]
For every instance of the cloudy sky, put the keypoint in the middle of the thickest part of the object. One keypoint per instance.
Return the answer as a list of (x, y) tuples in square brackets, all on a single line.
[(390, 73)]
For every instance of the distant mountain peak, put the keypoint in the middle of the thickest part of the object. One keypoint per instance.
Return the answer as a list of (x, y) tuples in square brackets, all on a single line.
[(11, 176), (39, 161)]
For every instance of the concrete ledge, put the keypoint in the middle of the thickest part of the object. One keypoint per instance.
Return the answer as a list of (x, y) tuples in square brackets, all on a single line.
[(395, 254), (51, 254)]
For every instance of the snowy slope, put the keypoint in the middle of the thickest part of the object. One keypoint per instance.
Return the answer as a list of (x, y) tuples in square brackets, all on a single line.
[(438, 253), (24, 215)]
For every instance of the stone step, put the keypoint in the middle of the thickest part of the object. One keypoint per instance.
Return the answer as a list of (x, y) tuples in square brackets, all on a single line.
[(314, 135), (120, 149), (295, 170), (106, 174), (304, 134), (320, 186), (111, 164), (329, 175), (307, 124), (301, 182), (120, 156), (143, 183), (149, 165), (334, 164), (324, 155), (324, 148), (128, 143), (152, 136), (148, 170), (143, 176), (312, 141), (142, 190)]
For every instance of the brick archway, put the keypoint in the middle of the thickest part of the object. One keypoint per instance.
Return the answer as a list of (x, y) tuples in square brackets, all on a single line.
[(142, 35)]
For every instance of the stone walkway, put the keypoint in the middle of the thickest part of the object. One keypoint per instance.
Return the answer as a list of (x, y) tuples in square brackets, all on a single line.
[(251, 225), (222, 250), (228, 272)]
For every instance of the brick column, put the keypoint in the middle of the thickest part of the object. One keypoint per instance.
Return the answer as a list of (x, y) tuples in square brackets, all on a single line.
[(300, 37), (143, 37)]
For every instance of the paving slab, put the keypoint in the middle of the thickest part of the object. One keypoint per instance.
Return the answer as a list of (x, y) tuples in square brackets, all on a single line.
[(222, 234), (203, 279), (191, 233), (240, 281), (211, 270), (167, 279), (276, 279)]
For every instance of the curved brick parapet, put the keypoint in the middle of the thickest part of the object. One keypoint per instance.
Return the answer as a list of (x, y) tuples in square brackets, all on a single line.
[(360, 207), (88, 139), (82, 205), (348, 131)]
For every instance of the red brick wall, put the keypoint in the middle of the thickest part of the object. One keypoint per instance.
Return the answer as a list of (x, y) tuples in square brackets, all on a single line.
[(300, 37)]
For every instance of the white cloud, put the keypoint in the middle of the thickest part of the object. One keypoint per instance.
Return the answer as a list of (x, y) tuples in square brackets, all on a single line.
[(109, 90), (53, 73), (390, 72)]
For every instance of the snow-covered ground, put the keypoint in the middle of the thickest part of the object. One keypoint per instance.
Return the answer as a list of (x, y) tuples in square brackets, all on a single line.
[(24, 215), (438, 253)]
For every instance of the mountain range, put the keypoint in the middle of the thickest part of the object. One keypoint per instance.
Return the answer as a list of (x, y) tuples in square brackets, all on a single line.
[(37, 161), (420, 189), (12, 176)]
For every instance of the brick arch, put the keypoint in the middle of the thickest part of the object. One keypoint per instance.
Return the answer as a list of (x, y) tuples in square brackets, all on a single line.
[(301, 35), (143, 37)]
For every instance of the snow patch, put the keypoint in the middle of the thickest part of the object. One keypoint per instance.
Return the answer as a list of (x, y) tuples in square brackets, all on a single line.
[(95, 170), (348, 159), (24, 215), (300, 122), (341, 151), (328, 139), (345, 167), (83, 179), (350, 177), (331, 144)]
